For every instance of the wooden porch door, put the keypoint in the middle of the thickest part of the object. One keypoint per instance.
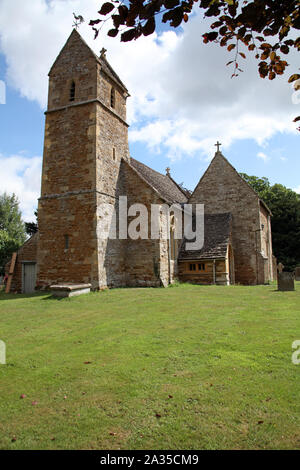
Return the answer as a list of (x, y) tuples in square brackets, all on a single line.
[(29, 277)]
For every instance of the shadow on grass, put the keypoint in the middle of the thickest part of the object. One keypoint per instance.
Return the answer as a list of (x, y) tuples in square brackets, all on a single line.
[(52, 297), (12, 296)]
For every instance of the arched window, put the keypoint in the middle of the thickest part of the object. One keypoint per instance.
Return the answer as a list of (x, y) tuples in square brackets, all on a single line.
[(112, 98), (72, 91)]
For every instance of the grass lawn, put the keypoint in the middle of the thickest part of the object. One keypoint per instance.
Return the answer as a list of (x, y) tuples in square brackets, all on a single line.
[(187, 367)]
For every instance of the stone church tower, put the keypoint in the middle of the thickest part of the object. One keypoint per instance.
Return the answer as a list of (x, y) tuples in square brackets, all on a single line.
[(86, 167), (86, 137)]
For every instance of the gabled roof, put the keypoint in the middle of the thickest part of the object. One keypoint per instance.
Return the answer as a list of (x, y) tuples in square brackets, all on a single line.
[(220, 155), (163, 184), (105, 66), (74, 35), (217, 231)]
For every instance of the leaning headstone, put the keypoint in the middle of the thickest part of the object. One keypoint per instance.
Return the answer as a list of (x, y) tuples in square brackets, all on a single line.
[(297, 273), (286, 281)]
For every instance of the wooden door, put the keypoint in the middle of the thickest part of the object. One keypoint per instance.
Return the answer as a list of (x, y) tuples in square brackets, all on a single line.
[(29, 277)]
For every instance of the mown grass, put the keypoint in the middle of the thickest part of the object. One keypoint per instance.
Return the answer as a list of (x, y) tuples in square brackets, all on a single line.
[(188, 367)]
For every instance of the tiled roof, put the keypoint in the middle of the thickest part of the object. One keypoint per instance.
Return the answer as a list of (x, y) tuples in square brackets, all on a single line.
[(217, 229), (163, 184)]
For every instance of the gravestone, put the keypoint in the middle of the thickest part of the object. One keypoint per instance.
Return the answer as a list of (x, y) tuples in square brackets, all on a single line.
[(286, 281), (297, 273), (70, 290)]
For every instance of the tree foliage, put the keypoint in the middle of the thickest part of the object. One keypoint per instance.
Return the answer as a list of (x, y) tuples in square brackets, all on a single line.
[(12, 229), (285, 206), (264, 27), (32, 227)]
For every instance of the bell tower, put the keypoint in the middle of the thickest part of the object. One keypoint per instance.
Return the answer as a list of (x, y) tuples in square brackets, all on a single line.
[(86, 138)]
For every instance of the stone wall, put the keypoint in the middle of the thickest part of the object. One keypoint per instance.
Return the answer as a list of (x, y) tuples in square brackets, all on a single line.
[(111, 147), (27, 252), (72, 216), (147, 262), (76, 62), (105, 84), (85, 141), (221, 190)]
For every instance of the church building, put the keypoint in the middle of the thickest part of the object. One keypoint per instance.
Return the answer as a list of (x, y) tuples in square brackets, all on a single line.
[(87, 167)]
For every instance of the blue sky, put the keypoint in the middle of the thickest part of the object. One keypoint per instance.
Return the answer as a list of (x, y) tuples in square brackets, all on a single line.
[(182, 101)]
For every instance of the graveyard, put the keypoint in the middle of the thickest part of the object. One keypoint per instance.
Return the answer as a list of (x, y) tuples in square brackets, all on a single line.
[(185, 367)]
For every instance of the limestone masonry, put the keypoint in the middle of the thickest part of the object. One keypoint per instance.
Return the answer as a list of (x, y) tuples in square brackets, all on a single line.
[(87, 163)]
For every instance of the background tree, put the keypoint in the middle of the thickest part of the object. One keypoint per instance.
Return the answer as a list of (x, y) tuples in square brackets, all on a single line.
[(285, 206), (32, 227), (12, 228), (264, 27)]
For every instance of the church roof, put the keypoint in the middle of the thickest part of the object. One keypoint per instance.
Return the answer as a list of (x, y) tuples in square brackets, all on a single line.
[(105, 66), (217, 231), (219, 154), (163, 184)]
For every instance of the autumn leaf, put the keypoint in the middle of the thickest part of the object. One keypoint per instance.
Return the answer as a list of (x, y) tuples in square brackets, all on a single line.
[(113, 32), (294, 77), (128, 35), (106, 8), (272, 75), (93, 22), (149, 27), (230, 47)]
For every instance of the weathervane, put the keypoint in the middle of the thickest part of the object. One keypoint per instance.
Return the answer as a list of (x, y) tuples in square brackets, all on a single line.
[(218, 145), (78, 20)]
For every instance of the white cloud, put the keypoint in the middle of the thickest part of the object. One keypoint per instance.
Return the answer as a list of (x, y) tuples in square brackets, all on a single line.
[(22, 175), (263, 156), (297, 190), (182, 96), (174, 79)]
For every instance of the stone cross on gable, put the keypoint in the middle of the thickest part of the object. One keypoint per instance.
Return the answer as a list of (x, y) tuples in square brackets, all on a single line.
[(218, 145), (103, 53)]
